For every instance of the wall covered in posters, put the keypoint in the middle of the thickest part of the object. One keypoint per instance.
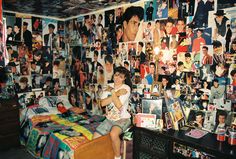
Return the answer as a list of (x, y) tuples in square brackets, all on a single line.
[(187, 47)]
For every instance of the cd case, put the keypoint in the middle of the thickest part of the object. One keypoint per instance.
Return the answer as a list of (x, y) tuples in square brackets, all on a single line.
[(196, 133)]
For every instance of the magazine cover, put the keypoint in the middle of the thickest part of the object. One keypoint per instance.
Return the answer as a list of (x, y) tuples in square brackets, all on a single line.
[(196, 118), (176, 111), (145, 120), (152, 106)]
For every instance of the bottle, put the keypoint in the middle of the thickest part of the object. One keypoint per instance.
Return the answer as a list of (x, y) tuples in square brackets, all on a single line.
[(232, 137), (221, 134), (147, 93)]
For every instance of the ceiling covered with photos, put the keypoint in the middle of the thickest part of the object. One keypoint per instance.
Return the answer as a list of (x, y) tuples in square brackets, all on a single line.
[(58, 8)]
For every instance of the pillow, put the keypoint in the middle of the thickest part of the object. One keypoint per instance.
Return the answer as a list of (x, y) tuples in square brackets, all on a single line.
[(64, 100), (30, 112), (50, 103)]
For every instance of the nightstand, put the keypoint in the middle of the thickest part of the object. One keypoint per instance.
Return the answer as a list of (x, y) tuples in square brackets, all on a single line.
[(9, 123)]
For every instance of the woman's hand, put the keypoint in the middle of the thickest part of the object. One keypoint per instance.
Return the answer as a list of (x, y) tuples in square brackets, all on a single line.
[(109, 88), (197, 124), (121, 92)]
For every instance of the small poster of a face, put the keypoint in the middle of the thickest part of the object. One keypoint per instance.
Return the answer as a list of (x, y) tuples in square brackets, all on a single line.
[(152, 106)]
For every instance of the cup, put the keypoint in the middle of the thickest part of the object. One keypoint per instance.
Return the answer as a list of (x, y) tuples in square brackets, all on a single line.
[(232, 137), (147, 94), (221, 134)]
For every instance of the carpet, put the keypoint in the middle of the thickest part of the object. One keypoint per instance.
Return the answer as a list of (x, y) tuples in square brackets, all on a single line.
[(15, 153)]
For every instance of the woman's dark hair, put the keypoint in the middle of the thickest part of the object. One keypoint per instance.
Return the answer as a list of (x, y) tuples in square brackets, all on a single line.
[(125, 72)]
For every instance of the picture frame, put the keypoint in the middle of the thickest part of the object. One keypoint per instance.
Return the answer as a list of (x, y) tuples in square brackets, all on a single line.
[(196, 118), (152, 106), (223, 118)]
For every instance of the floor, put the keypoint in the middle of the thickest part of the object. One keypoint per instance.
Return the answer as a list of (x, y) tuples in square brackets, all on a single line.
[(21, 153), (129, 149), (16, 153)]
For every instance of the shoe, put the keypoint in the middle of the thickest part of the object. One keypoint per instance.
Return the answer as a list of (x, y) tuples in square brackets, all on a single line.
[(128, 136)]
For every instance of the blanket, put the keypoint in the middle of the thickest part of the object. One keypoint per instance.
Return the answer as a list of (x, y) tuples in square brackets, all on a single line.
[(55, 135)]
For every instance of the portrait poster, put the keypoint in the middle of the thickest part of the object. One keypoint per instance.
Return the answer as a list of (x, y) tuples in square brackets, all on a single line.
[(46, 23), (150, 10), (137, 26)]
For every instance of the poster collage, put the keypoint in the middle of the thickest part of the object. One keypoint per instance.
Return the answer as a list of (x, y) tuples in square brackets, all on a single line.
[(182, 49)]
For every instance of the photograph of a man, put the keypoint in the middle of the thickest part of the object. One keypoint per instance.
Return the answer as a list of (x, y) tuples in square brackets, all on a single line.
[(196, 118), (131, 21), (27, 36), (49, 38), (207, 59), (149, 11), (221, 116)]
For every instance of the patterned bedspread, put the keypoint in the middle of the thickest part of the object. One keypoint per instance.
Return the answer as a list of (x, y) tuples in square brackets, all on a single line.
[(56, 136)]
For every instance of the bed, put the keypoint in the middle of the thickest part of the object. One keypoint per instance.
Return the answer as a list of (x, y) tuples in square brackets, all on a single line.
[(46, 133)]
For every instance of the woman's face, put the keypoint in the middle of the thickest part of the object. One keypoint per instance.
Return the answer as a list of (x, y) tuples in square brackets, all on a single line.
[(73, 99), (119, 78)]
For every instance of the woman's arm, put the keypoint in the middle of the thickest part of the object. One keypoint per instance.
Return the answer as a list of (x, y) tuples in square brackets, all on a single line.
[(105, 101), (113, 98), (116, 100)]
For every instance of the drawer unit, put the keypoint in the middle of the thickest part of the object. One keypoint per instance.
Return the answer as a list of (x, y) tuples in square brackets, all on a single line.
[(9, 124)]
